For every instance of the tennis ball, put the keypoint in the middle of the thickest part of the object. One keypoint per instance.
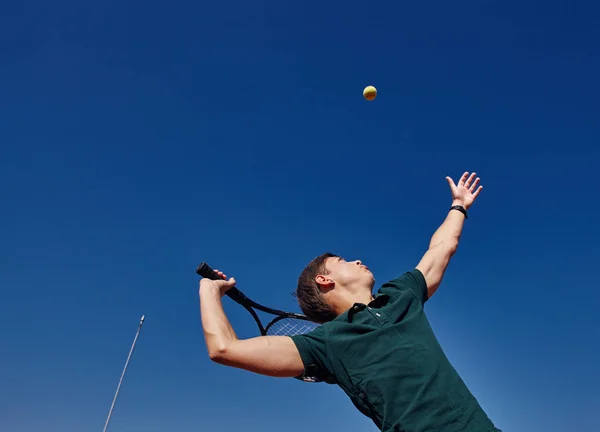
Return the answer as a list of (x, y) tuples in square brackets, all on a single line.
[(370, 93)]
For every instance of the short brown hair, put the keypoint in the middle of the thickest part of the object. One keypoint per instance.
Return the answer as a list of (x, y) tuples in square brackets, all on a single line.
[(308, 293)]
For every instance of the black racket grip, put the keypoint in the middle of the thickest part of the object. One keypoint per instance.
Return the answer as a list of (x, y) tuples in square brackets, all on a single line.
[(207, 272)]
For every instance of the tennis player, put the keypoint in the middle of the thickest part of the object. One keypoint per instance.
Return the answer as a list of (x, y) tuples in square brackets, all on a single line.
[(379, 348)]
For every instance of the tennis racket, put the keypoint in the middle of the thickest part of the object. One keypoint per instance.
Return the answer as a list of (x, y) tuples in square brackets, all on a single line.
[(283, 324)]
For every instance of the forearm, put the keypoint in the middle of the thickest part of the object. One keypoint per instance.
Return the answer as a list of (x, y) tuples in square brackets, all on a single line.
[(218, 332), (442, 247), (449, 231)]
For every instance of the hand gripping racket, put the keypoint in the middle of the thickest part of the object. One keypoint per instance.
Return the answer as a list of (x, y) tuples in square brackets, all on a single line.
[(284, 323)]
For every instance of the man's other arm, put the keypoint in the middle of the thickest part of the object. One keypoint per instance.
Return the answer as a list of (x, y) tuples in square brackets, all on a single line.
[(275, 356), (444, 242)]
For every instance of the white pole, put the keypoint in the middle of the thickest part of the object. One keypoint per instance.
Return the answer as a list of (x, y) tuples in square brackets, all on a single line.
[(123, 373)]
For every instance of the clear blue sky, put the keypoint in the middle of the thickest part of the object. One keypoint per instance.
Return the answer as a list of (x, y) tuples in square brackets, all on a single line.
[(140, 138)]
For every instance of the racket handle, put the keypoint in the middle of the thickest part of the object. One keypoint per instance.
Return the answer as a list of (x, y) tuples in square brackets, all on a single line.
[(207, 272)]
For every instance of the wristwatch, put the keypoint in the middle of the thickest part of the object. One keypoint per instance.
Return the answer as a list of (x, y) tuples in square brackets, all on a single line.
[(460, 209)]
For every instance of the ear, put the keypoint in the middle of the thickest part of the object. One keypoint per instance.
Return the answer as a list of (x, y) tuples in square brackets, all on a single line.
[(325, 283)]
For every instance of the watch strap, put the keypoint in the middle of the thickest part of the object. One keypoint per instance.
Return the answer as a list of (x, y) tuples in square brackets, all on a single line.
[(460, 209)]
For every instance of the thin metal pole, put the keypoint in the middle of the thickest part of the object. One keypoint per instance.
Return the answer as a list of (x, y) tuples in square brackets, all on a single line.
[(123, 373)]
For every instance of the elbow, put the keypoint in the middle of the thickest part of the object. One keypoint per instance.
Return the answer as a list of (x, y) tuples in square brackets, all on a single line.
[(218, 354)]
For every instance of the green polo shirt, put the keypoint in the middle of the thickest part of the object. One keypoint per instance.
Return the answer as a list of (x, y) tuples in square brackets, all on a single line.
[(386, 358)]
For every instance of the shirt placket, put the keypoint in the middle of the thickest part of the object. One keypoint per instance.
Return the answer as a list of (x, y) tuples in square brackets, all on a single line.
[(379, 316)]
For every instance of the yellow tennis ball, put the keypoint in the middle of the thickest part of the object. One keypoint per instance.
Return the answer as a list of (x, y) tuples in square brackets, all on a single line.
[(370, 93)]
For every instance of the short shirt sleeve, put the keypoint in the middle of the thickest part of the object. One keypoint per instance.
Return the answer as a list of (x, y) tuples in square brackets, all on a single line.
[(313, 350), (413, 281)]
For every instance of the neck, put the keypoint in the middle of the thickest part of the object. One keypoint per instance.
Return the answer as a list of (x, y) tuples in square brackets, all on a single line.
[(347, 300)]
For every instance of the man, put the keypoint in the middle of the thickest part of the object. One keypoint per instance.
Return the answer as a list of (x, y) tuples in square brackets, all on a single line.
[(380, 349)]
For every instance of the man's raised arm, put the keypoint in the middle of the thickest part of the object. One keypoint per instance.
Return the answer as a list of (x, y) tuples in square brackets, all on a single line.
[(275, 356), (444, 241)]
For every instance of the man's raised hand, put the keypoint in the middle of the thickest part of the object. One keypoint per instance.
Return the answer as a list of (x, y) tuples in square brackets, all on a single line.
[(465, 192)]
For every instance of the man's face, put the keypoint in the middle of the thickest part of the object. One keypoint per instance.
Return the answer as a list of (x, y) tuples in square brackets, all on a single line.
[(349, 274)]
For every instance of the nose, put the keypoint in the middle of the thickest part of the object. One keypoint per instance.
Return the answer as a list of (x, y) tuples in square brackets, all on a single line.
[(358, 262)]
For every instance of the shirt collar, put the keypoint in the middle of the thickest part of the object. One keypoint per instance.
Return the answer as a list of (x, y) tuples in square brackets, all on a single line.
[(379, 301)]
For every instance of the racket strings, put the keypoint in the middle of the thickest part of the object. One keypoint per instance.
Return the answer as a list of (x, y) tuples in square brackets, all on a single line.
[(290, 327)]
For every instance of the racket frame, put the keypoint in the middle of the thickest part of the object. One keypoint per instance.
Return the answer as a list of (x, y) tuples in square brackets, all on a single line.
[(239, 297)]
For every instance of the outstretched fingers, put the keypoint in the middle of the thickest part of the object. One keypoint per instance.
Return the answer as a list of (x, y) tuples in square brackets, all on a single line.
[(467, 186), (474, 185), (469, 180)]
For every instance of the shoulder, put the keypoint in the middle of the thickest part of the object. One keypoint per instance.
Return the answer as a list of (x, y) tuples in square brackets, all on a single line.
[(412, 281), (312, 341), (313, 348)]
